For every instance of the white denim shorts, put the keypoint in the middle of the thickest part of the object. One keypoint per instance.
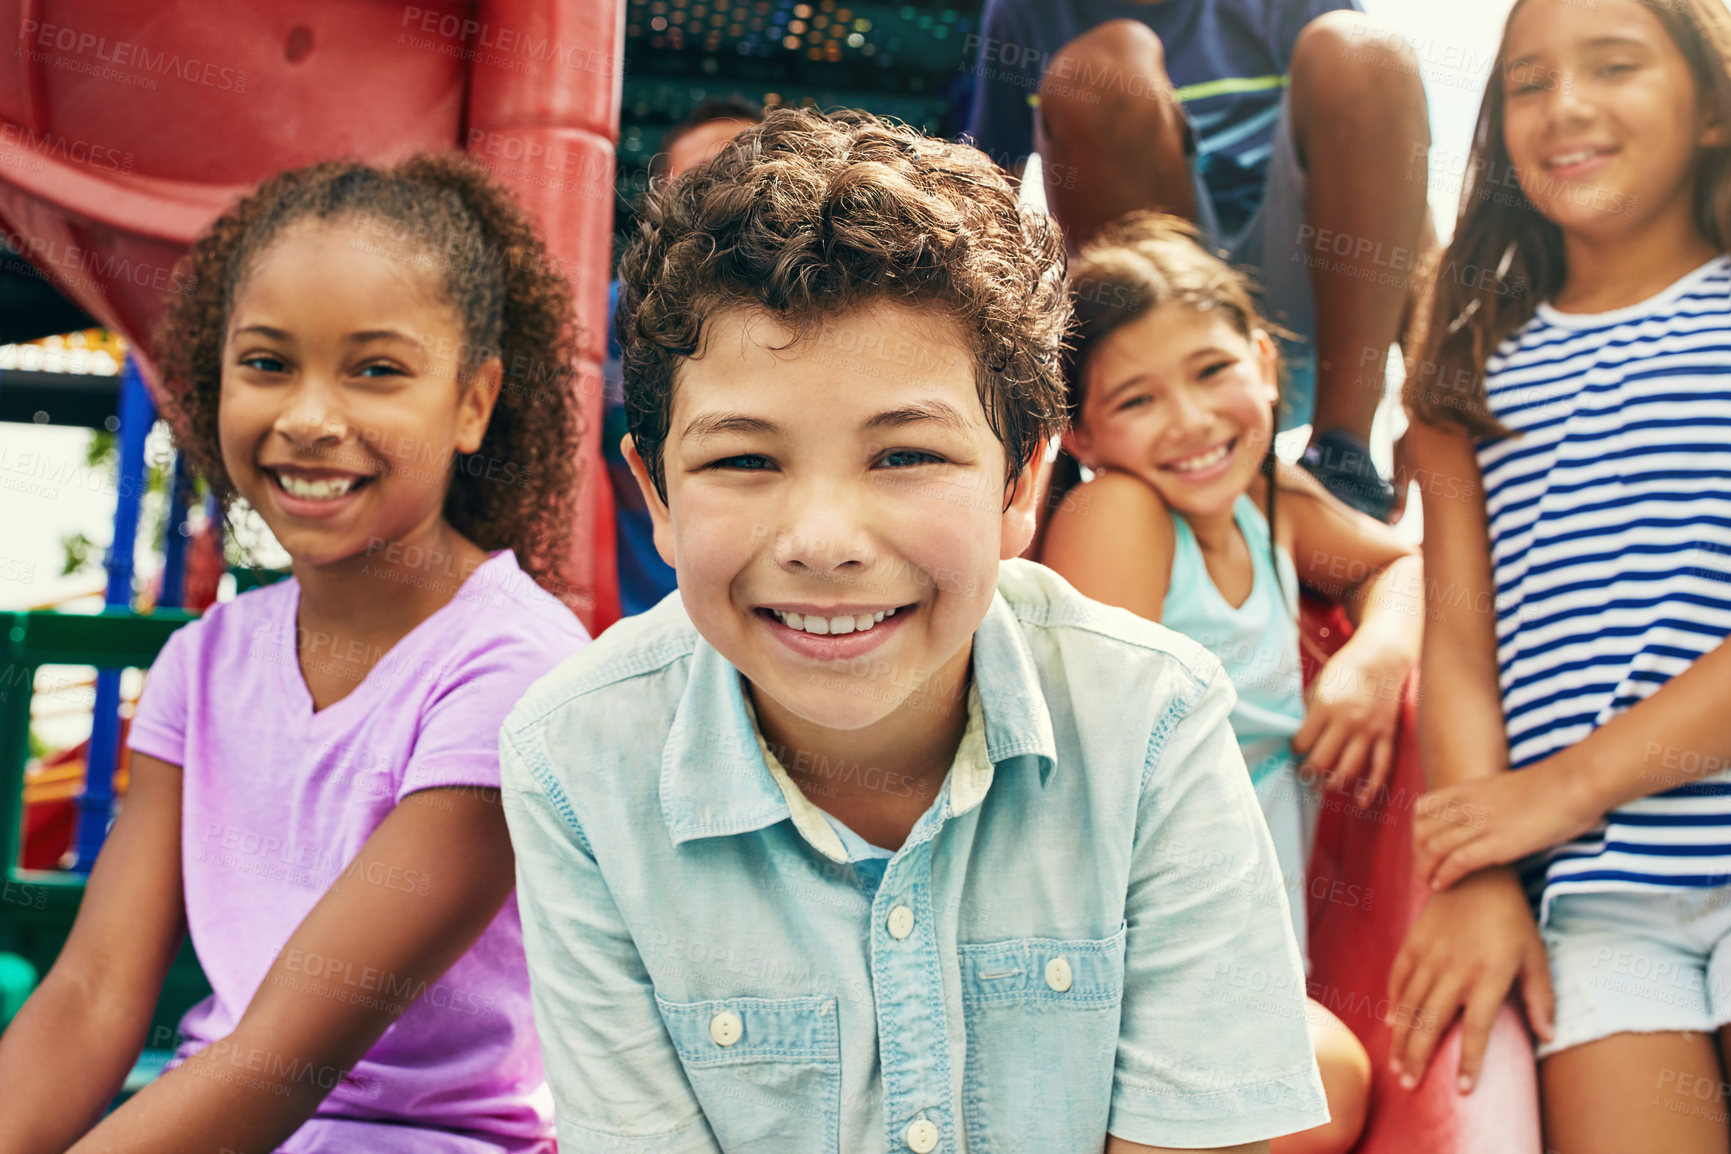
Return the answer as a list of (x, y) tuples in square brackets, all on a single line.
[(1639, 962)]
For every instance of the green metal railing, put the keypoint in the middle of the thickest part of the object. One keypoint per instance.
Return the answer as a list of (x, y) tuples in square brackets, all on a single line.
[(37, 907)]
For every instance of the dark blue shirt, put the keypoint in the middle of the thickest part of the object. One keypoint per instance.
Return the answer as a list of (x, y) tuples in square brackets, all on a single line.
[(644, 578), (1228, 59)]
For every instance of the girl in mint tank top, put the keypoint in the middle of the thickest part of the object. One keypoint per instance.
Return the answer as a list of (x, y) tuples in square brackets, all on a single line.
[(379, 363), (1189, 520)]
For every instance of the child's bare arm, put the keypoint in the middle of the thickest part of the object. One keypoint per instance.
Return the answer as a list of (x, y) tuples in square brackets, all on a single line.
[(1473, 941), (426, 884), (1355, 702), (1350, 557), (70, 1047), (1116, 546), (1461, 732), (1670, 739)]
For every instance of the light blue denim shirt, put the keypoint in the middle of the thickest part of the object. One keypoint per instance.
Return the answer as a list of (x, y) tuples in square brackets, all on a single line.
[(1085, 930)]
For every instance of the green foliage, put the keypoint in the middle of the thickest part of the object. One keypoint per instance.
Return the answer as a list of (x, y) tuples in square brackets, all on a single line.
[(102, 450), (81, 554), (78, 554)]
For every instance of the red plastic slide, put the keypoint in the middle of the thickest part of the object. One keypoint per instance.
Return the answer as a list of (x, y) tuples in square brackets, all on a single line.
[(125, 127), (1363, 895)]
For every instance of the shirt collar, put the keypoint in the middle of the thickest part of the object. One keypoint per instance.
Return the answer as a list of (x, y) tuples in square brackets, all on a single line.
[(969, 777), (715, 780), (1017, 722)]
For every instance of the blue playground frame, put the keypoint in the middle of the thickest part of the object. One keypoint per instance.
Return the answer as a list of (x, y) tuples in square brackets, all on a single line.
[(41, 905)]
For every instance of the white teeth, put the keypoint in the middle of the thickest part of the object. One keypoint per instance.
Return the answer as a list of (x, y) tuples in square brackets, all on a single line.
[(1573, 158), (1200, 460), (322, 490), (831, 626)]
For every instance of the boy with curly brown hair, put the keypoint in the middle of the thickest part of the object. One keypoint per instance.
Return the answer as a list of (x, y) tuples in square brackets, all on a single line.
[(876, 837)]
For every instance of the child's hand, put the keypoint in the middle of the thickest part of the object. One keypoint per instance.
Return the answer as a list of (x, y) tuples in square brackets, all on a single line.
[(1350, 725), (1468, 947), (1499, 819)]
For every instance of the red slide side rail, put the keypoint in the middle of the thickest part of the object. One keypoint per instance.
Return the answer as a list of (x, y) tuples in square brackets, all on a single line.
[(1364, 895), (126, 127)]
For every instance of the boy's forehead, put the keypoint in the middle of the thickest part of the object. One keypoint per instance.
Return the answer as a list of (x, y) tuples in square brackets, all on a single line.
[(876, 329), (879, 350)]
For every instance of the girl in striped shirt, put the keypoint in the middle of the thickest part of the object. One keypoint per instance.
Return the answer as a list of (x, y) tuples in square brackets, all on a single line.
[(1572, 428)]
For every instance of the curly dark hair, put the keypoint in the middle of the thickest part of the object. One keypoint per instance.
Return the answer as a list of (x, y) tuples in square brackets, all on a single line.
[(808, 216), (514, 303)]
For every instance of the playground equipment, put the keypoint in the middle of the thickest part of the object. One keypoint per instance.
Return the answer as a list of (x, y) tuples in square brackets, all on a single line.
[(124, 128), (37, 905), (1364, 894)]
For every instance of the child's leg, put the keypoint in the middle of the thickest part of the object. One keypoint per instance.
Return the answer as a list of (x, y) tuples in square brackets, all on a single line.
[(1288, 805), (1111, 132), (1635, 1092), (1360, 122), (1346, 1079), (1634, 1065)]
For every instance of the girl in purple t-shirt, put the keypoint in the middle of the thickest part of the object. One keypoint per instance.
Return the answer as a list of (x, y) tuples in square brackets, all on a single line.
[(378, 363)]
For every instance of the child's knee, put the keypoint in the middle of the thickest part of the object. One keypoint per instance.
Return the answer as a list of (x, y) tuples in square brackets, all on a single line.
[(1346, 1080), (1348, 54), (1112, 71)]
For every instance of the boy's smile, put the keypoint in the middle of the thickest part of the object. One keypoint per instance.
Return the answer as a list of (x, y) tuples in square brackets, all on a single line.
[(837, 518), (826, 633)]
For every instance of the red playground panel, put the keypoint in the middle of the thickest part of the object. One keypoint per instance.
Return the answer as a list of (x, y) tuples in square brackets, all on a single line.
[(1364, 894), (126, 127)]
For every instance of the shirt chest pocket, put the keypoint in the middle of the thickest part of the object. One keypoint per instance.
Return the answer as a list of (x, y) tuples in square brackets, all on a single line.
[(766, 1071), (1042, 1022)]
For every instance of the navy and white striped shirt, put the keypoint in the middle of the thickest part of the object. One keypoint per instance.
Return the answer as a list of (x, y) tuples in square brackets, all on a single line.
[(1610, 533)]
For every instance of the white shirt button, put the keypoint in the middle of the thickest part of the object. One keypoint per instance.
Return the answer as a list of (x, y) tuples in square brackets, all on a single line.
[(1058, 974), (901, 924), (725, 1029), (922, 1136)]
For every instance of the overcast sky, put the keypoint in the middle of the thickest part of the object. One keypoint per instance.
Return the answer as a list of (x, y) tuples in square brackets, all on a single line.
[(1455, 41)]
